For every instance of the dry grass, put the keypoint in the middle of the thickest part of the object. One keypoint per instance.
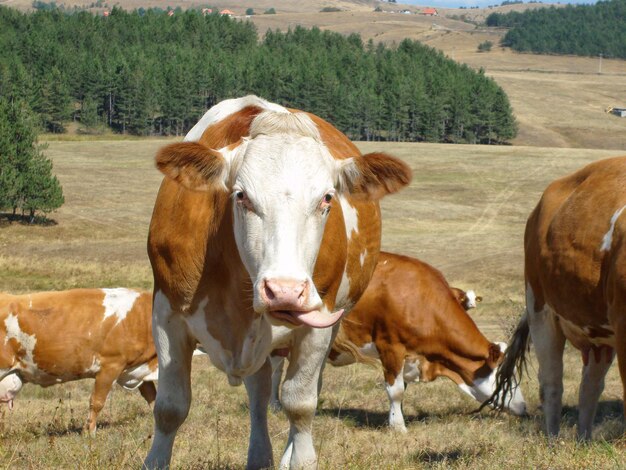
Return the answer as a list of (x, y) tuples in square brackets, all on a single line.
[(464, 213), (236, 6)]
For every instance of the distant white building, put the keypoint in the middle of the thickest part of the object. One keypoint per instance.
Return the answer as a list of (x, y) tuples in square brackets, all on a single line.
[(621, 112)]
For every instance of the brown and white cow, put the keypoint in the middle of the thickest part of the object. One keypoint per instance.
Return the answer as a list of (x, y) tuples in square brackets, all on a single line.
[(467, 299), (575, 272), (265, 230), (48, 338), (411, 320)]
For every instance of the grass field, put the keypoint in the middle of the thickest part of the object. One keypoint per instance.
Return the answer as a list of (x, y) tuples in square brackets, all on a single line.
[(464, 213)]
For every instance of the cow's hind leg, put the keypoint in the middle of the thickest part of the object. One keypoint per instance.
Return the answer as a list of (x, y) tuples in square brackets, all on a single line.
[(299, 394), (174, 350), (101, 389), (549, 342), (393, 366), (278, 364), (619, 323), (148, 392), (596, 362), (259, 387)]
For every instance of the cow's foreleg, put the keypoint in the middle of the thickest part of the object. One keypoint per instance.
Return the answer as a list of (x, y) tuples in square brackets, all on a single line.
[(174, 350), (259, 387), (299, 394), (596, 363), (393, 365)]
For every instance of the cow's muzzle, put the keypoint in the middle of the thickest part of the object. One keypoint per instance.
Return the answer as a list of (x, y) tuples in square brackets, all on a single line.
[(288, 300)]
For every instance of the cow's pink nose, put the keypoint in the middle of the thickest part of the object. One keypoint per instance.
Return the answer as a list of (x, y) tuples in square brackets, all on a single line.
[(284, 294)]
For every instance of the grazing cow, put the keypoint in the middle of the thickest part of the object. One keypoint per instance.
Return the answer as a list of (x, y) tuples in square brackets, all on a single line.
[(575, 272), (410, 319), (54, 337), (265, 229), (468, 300)]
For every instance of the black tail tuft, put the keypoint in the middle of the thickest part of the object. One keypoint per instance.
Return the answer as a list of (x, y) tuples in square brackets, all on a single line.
[(512, 368)]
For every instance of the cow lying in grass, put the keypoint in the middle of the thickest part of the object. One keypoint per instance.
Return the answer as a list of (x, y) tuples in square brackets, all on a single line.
[(411, 320), (54, 337)]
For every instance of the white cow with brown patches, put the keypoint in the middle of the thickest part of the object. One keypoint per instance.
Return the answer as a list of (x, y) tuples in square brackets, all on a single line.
[(48, 338), (575, 271), (266, 229)]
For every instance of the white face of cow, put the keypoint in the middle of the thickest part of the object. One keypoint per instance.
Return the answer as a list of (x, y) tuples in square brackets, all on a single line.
[(282, 180), (283, 191), (470, 300), (483, 388)]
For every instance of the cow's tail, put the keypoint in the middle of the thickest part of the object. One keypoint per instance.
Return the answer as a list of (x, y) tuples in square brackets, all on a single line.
[(343, 344), (512, 367)]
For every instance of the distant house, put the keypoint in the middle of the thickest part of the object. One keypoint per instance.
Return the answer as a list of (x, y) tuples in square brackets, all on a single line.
[(170, 13), (621, 112), (406, 12), (207, 11), (429, 11), (227, 13)]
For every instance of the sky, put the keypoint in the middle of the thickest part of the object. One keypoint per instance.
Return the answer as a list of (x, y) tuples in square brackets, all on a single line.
[(477, 3)]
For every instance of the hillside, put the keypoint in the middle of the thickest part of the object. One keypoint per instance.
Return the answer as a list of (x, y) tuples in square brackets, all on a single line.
[(109, 72), (237, 6), (585, 30), (281, 6), (559, 101)]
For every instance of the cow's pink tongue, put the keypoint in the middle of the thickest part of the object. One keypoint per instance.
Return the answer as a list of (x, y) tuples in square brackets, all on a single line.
[(317, 319)]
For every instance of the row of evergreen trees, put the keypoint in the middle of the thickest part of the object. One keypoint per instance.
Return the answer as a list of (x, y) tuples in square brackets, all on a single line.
[(152, 74), (587, 30)]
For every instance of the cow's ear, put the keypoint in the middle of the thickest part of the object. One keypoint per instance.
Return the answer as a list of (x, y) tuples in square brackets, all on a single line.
[(193, 165), (496, 351), (373, 175)]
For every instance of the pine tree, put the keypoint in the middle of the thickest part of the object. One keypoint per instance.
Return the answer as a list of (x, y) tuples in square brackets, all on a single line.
[(41, 190), (55, 104), (26, 179)]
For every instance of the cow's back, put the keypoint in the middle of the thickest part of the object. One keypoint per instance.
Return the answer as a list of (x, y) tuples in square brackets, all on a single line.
[(410, 303)]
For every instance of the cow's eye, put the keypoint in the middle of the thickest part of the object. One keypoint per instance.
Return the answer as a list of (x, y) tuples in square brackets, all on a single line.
[(325, 203), (243, 201)]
